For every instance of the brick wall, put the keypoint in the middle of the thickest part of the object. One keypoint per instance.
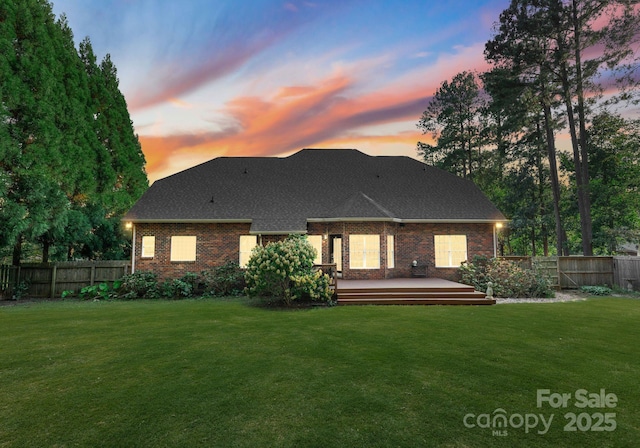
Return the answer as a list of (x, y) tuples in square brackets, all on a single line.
[(416, 242), (219, 243), (216, 245)]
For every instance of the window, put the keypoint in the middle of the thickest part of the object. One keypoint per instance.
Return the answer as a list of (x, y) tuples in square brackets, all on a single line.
[(391, 252), (148, 246), (316, 242), (183, 248), (364, 251), (451, 250), (247, 243)]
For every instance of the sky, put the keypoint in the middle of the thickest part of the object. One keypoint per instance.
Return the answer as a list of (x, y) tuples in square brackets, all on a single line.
[(211, 78)]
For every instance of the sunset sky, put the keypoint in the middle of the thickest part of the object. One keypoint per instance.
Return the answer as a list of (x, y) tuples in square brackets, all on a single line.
[(209, 78)]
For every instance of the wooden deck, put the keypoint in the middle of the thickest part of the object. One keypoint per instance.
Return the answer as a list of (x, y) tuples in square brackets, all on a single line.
[(408, 291)]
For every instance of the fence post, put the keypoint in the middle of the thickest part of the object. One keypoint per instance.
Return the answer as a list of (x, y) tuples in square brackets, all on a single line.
[(93, 275)]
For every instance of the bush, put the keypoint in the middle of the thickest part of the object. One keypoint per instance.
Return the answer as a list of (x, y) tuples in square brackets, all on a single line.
[(597, 290), (180, 288), (225, 280), (101, 291), (508, 279), (139, 285), (284, 270), (314, 286)]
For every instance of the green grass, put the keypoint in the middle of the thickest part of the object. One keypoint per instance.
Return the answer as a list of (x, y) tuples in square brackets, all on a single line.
[(221, 373)]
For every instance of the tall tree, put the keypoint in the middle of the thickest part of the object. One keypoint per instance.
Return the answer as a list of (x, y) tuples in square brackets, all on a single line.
[(521, 46), (34, 159), (572, 42), (519, 174), (452, 117), (56, 108), (122, 178), (614, 149)]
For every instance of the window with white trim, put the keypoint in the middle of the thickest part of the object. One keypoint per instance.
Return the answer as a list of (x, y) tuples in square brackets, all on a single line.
[(391, 252), (364, 251), (451, 250), (183, 248), (247, 243), (316, 242), (148, 246)]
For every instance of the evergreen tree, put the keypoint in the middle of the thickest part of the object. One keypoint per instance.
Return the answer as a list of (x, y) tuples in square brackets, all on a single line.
[(614, 152), (115, 131), (34, 158), (452, 117), (569, 44), (56, 107)]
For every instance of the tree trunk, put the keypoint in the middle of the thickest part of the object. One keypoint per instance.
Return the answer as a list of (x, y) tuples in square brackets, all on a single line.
[(17, 252), (578, 161), (585, 216), (45, 251), (555, 183), (542, 209)]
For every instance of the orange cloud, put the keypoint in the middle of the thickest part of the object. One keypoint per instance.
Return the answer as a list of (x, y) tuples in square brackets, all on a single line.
[(325, 114), (292, 118)]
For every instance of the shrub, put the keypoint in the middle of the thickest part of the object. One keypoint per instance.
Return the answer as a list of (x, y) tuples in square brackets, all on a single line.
[(175, 289), (508, 279), (314, 286), (21, 290), (180, 288), (225, 280), (284, 269), (597, 290), (101, 291), (139, 285)]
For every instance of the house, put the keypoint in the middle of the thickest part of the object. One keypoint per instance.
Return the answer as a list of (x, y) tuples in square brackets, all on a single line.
[(374, 217)]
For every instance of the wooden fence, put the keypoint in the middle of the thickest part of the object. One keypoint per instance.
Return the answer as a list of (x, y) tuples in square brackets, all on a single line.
[(51, 279), (574, 272), (627, 272)]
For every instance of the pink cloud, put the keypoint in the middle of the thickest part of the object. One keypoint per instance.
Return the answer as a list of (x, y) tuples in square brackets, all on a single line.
[(329, 111)]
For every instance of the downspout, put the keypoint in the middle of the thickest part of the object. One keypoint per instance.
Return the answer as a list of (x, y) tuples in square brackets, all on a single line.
[(495, 241), (133, 249), (496, 226)]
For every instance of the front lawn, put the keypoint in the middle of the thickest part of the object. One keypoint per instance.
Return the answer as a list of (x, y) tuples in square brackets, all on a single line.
[(222, 373)]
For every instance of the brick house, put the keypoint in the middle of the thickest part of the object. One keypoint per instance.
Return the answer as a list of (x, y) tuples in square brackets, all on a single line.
[(374, 217)]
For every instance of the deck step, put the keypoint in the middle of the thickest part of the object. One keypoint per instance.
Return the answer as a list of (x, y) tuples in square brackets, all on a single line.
[(413, 295), (415, 301), (409, 292)]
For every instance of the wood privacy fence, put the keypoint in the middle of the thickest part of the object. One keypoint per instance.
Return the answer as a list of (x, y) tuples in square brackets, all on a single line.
[(51, 279), (627, 272), (574, 272)]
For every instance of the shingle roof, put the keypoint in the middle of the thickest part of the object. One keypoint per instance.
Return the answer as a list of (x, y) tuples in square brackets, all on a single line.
[(280, 195)]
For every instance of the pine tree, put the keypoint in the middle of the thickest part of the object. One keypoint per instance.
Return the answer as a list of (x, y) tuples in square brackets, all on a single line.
[(57, 106), (35, 160)]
